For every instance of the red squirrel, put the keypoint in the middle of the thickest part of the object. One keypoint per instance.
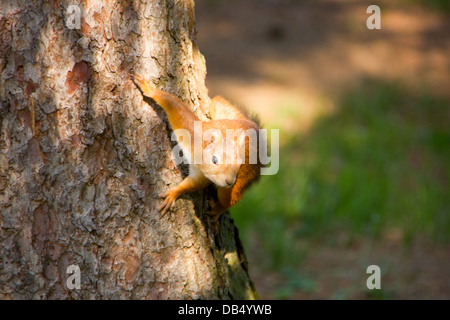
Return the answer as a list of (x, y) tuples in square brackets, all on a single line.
[(230, 178)]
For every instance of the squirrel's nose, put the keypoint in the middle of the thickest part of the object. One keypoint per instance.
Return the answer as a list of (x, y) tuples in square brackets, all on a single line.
[(230, 181)]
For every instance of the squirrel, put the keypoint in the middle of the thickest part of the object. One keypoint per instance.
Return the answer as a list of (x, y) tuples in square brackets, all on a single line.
[(231, 178)]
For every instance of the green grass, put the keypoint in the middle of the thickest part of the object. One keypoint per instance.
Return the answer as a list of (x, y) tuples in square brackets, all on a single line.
[(438, 5), (380, 161)]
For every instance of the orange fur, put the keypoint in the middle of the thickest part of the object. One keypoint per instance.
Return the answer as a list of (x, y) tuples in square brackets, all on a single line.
[(231, 180)]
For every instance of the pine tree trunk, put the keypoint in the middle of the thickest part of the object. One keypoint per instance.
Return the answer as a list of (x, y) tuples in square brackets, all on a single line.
[(83, 159)]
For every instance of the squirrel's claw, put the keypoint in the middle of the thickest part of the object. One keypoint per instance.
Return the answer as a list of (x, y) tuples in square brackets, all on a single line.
[(145, 85), (170, 197), (137, 78)]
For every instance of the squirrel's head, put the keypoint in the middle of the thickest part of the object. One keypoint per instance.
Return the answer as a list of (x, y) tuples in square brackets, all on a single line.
[(221, 160)]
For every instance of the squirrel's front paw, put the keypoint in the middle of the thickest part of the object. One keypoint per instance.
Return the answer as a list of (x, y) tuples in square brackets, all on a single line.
[(144, 85), (170, 197)]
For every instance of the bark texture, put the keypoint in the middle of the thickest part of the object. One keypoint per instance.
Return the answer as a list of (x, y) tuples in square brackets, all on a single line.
[(83, 158)]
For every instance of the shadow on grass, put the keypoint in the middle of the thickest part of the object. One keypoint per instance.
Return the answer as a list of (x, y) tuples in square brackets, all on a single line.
[(379, 163)]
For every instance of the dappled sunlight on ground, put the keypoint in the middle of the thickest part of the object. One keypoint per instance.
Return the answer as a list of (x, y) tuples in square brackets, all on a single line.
[(292, 54)]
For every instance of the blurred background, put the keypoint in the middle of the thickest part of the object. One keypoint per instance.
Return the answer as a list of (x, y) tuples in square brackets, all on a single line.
[(364, 142)]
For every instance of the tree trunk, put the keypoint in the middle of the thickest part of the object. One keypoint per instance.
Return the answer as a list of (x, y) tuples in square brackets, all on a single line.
[(83, 158)]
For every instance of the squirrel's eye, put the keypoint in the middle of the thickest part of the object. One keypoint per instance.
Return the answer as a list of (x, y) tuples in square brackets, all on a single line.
[(214, 160)]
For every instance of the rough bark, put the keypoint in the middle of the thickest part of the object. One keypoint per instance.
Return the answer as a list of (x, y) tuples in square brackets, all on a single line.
[(83, 158)]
